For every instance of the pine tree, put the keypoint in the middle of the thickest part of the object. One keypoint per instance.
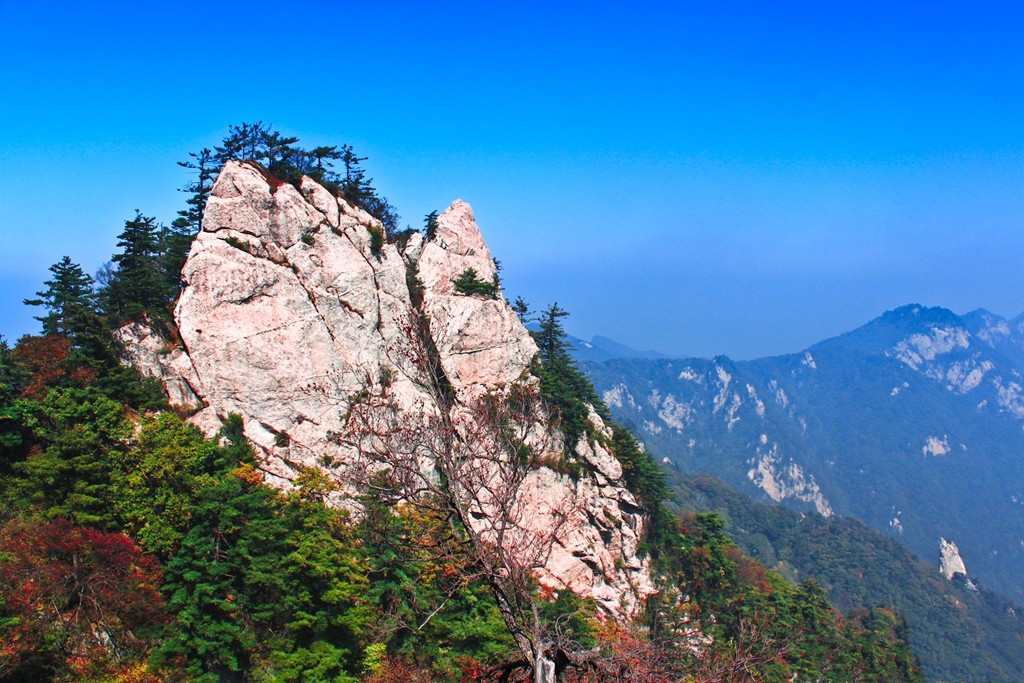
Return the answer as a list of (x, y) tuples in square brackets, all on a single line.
[(430, 225), (280, 158), (522, 309), (357, 189), (562, 384), (69, 299), (551, 338), (139, 284), (68, 475), (323, 170), (205, 167), (241, 143)]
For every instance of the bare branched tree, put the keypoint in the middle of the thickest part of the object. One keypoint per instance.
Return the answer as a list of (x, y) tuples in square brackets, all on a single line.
[(468, 463), (758, 643)]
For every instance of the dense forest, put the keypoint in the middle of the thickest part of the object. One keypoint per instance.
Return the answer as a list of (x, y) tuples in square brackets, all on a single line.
[(960, 630), (134, 548)]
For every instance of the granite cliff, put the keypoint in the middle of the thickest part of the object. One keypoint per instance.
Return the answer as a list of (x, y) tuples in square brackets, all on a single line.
[(293, 303)]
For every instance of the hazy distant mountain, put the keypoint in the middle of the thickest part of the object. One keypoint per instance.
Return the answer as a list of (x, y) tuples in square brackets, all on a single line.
[(913, 423), (602, 348)]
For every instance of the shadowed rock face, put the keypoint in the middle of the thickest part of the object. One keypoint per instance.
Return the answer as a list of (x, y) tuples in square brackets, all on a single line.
[(288, 311)]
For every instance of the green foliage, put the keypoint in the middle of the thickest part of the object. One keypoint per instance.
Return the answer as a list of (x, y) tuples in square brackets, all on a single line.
[(13, 432), (427, 609), (69, 300), (376, 240), (470, 284), (430, 225), (233, 241), (160, 477), (137, 286), (521, 309), (782, 632), (860, 569), (68, 475), (563, 387), (204, 166)]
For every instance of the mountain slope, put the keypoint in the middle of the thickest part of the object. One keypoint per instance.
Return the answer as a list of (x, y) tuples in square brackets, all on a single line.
[(959, 633), (911, 423)]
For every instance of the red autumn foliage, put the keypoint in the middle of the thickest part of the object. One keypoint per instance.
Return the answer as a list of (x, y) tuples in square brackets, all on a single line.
[(749, 571), (399, 670), (44, 358), (83, 377), (74, 599)]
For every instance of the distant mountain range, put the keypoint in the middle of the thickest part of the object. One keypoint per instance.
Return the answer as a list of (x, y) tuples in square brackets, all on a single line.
[(913, 423), (602, 348)]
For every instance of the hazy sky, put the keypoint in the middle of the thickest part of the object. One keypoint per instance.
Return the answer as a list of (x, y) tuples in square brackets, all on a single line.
[(699, 178)]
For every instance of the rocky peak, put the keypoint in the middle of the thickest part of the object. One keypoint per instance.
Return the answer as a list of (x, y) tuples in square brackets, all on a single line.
[(292, 305), (480, 340), (950, 562)]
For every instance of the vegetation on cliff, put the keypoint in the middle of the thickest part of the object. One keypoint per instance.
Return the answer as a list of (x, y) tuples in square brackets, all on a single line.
[(133, 548)]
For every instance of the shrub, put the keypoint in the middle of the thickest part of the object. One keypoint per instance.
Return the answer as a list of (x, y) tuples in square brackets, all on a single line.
[(376, 240), (470, 284)]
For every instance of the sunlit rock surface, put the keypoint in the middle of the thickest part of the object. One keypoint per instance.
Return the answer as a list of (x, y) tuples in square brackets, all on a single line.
[(288, 311)]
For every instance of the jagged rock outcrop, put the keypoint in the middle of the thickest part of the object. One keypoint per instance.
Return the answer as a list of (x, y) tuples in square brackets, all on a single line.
[(950, 561), (291, 307)]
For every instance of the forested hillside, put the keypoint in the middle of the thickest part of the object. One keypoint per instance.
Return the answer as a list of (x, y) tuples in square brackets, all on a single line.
[(135, 548), (959, 631)]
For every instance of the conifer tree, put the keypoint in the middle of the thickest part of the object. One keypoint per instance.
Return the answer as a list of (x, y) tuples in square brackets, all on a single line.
[(205, 167), (522, 309), (551, 341), (430, 225), (138, 285), (562, 384), (279, 155), (357, 189), (69, 299), (68, 475), (322, 169), (242, 142)]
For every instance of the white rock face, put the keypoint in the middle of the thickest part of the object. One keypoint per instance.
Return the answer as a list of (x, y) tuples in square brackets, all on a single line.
[(950, 562), (676, 414), (920, 348), (933, 445), (481, 341), (785, 481), (174, 368), (288, 311)]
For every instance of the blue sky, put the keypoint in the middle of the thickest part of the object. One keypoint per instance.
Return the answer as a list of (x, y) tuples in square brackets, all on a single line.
[(700, 178)]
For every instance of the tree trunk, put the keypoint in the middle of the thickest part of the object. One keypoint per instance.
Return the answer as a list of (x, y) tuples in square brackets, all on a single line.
[(543, 668)]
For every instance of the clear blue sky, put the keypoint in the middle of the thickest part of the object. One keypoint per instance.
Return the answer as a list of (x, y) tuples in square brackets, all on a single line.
[(700, 178)]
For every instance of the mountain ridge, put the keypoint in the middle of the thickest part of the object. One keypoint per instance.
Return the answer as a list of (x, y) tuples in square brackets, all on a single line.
[(917, 395)]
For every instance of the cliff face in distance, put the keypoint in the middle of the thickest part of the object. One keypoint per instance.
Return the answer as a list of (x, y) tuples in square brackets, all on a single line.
[(294, 305), (911, 423)]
